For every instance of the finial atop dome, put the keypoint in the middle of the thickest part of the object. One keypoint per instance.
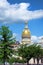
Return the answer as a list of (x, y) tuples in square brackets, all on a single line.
[(26, 21), (26, 24)]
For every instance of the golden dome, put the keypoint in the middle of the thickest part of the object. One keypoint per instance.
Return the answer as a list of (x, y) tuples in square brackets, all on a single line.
[(26, 33)]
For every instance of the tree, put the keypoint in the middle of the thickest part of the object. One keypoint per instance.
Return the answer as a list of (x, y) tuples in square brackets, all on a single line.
[(41, 55), (26, 52), (37, 53), (5, 44), (11, 60)]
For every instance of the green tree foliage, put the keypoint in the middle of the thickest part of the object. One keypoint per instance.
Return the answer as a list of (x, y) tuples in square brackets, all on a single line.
[(37, 53), (5, 44), (42, 55), (27, 52), (11, 60)]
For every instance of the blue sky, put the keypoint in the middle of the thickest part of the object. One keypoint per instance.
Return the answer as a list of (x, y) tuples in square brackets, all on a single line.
[(35, 24)]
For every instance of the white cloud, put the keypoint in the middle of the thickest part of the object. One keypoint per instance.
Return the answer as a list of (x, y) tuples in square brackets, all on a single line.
[(15, 12), (34, 39), (41, 37)]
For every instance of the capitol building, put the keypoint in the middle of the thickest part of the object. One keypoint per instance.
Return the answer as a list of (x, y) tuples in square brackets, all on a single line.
[(26, 39)]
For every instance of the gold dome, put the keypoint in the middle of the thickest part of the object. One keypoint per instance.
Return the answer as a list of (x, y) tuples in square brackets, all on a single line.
[(26, 33)]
